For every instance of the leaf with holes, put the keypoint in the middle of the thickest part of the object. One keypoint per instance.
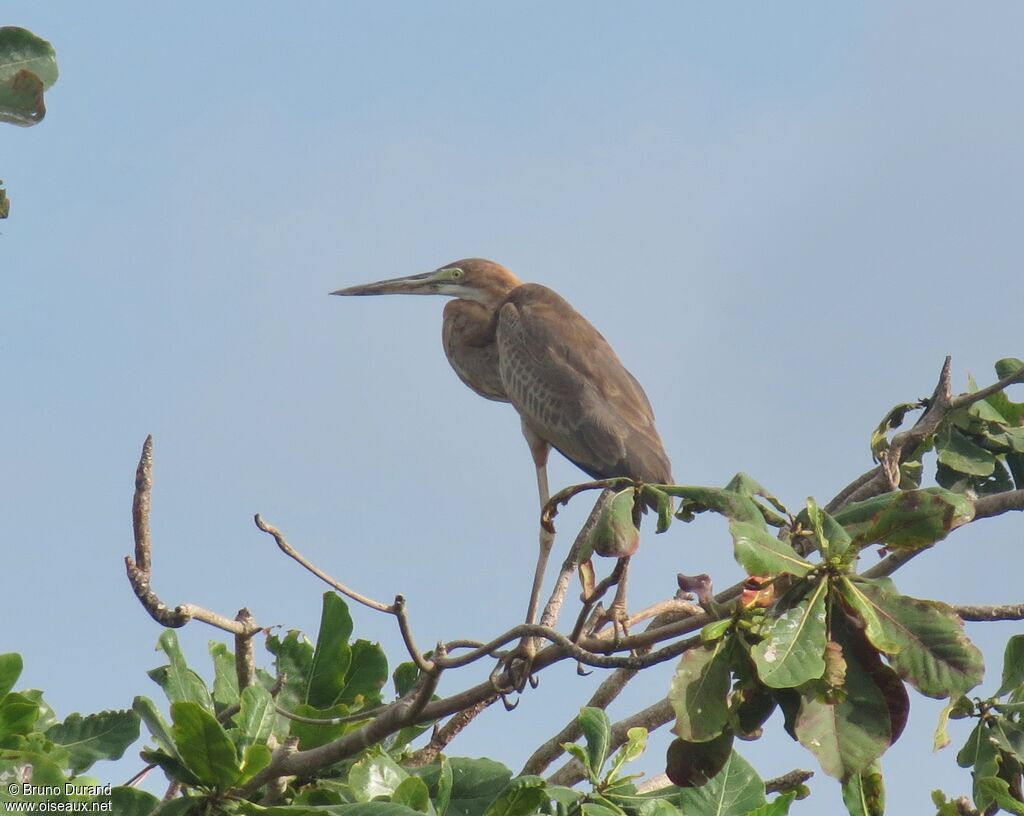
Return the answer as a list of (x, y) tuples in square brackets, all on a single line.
[(792, 650)]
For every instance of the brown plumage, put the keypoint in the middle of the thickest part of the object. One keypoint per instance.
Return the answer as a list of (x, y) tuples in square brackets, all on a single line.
[(523, 343)]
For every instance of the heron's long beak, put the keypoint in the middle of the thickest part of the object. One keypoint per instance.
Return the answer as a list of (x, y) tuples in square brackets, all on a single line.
[(424, 284)]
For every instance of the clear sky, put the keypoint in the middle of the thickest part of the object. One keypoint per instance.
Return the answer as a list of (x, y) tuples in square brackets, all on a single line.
[(782, 217)]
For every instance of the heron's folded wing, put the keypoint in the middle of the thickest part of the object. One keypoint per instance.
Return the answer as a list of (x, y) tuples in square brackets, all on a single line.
[(571, 388)]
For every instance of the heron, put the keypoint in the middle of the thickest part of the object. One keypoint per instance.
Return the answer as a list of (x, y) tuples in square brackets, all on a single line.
[(522, 343)]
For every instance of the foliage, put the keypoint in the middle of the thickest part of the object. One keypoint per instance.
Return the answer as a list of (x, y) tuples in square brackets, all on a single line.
[(834, 649), (38, 750)]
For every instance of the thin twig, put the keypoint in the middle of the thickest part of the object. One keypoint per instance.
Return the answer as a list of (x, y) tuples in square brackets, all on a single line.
[(443, 736), (788, 781), (292, 553), (970, 397)]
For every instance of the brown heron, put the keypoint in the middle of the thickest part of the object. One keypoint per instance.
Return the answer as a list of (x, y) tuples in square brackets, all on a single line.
[(523, 343)]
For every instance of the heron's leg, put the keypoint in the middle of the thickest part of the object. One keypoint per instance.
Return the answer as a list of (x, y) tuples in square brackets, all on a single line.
[(539, 449), (617, 613)]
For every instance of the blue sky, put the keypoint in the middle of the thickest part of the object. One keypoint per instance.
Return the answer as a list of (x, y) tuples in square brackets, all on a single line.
[(781, 217)]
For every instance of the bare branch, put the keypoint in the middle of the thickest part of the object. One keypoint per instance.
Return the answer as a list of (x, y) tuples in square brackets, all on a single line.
[(788, 781), (998, 503), (990, 613), (140, 569), (969, 398), (292, 553), (245, 654), (450, 730), (141, 506)]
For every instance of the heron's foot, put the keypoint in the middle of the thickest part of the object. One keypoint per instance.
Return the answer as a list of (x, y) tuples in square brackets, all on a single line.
[(515, 670), (617, 616)]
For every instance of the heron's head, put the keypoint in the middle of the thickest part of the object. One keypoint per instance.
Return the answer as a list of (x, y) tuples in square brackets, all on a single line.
[(470, 279)]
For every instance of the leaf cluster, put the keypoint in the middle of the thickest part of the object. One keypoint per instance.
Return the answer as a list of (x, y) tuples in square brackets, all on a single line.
[(833, 650), (994, 750), (36, 748)]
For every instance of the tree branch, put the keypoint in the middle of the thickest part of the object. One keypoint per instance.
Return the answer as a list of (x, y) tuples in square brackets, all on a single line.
[(990, 613), (140, 570)]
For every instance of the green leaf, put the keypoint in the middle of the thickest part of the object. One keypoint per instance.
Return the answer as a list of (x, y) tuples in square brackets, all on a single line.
[(866, 611), (597, 732), (998, 791), (445, 782), (405, 677), (11, 666), (833, 540), (727, 503), (978, 752), (864, 793), (1008, 736), (734, 790), (412, 792), (632, 748), (150, 715), (848, 735), (615, 534), (225, 677), (255, 759), (313, 735), (476, 783), (747, 486), (18, 713), (5, 202), (761, 553), (257, 716), (204, 746), (332, 656), (779, 806), (891, 421), (957, 452), (28, 66), (293, 660), (132, 802), (171, 765), (523, 796), (21, 50), (579, 753), (178, 681), (700, 690), (908, 519), (1013, 666), (935, 656), (375, 775), (99, 736), (716, 629), (367, 674), (793, 646)]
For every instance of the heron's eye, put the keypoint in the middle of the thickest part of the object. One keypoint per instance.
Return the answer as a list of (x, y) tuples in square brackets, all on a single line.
[(456, 273)]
